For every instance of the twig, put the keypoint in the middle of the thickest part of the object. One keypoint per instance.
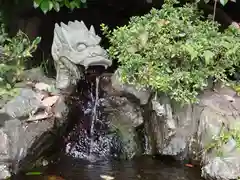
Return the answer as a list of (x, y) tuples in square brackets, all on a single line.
[(214, 9)]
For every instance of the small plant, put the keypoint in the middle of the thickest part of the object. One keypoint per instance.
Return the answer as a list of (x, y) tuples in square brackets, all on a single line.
[(174, 51), (14, 54), (223, 138)]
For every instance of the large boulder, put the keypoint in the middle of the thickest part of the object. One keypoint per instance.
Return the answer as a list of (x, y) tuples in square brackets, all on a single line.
[(30, 123), (198, 132)]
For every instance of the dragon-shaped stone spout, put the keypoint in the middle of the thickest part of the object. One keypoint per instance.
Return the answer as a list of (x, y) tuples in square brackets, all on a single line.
[(73, 46)]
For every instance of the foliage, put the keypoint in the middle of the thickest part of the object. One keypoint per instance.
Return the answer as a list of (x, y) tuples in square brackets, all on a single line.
[(14, 54), (48, 5), (236, 87), (174, 51)]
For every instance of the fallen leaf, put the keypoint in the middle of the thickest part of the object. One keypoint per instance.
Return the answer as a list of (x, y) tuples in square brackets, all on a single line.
[(106, 177), (189, 165), (54, 178), (42, 86), (49, 101)]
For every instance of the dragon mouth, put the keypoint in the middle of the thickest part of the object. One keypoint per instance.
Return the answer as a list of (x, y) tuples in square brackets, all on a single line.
[(97, 61)]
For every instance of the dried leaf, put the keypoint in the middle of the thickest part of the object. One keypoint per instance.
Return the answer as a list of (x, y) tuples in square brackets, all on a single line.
[(42, 86), (49, 101), (189, 165), (38, 117), (54, 178)]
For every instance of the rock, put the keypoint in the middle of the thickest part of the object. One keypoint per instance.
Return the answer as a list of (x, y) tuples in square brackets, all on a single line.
[(142, 95), (187, 131), (4, 172), (222, 168), (36, 74), (24, 104), (4, 155), (23, 138), (29, 141), (124, 117)]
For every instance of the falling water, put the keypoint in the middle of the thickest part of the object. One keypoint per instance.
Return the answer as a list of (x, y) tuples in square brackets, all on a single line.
[(91, 136), (94, 116)]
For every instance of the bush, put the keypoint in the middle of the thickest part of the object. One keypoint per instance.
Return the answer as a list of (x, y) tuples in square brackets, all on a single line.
[(174, 51), (14, 52)]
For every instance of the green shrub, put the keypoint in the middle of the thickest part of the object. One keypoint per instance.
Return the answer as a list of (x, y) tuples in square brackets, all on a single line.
[(14, 53), (48, 5), (174, 51)]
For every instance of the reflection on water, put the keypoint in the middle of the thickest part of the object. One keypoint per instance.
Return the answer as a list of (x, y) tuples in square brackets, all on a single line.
[(144, 168)]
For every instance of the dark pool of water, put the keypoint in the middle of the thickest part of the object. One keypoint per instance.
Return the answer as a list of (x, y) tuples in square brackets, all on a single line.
[(144, 168)]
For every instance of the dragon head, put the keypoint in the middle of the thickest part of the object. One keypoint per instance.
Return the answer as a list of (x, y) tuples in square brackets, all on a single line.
[(73, 45)]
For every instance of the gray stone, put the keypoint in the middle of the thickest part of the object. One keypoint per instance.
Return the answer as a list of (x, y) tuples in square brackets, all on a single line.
[(36, 74), (4, 148), (4, 172), (142, 94), (23, 105), (23, 143), (124, 116), (187, 131), (29, 141), (222, 168), (73, 45)]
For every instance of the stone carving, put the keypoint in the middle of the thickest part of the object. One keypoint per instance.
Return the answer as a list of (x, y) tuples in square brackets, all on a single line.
[(73, 45)]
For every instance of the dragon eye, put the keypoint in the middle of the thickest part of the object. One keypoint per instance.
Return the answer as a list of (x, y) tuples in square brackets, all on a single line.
[(81, 47)]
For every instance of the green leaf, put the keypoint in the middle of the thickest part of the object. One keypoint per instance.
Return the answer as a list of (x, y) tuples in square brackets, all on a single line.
[(37, 41), (223, 2), (56, 6), (36, 3), (191, 51), (74, 4), (33, 173), (143, 38), (208, 56), (45, 6), (67, 3), (50, 5)]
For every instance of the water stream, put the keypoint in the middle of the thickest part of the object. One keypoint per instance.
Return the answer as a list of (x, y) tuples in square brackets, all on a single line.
[(94, 116), (90, 138)]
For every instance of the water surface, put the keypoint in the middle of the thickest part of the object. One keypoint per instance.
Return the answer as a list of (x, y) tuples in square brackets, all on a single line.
[(144, 168)]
